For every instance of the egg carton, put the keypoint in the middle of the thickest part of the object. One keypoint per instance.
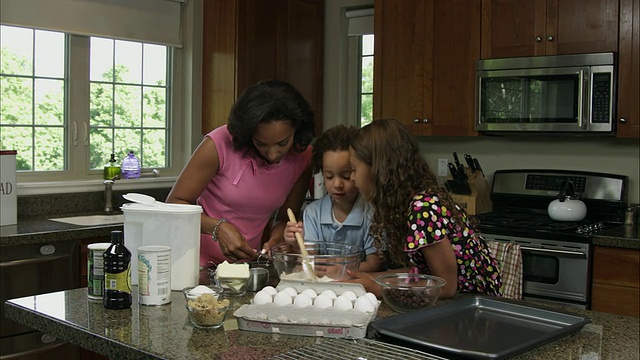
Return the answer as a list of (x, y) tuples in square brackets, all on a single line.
[(308, 321)]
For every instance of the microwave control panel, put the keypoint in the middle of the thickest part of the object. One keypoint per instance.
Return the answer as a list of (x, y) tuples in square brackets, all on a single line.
[(601, 98)]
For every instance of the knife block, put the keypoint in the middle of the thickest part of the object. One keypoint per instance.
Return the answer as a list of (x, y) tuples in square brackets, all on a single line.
[(479, 201)]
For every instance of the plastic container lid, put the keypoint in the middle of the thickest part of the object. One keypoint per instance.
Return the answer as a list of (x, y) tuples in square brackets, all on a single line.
[(167, 208)]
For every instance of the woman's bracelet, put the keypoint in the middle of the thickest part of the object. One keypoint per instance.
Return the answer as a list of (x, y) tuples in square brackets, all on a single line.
[(214, 233)]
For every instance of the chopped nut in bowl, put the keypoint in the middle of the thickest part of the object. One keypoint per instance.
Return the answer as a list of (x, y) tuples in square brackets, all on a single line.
[(206, 309)]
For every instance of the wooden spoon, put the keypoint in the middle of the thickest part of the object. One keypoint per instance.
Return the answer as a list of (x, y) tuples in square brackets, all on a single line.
[(305, 255)]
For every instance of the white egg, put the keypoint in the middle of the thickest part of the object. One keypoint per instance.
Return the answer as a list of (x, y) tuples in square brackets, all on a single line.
[(282, 298), (342, 303), (350, 295), (363, 304), (291, 291), (330, 293), (262, 297), (323, 302), (270, 290), (312, 293), (372, 297), (302, 300)]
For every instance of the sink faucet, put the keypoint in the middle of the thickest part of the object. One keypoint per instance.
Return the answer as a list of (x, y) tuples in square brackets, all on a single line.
[(108, 193)]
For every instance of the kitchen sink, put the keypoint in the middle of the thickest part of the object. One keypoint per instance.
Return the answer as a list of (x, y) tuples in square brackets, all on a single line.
[(88, 220)]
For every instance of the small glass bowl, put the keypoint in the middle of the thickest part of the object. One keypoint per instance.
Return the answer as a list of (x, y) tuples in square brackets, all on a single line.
[(405, 292), (206, 311), (232, 286)]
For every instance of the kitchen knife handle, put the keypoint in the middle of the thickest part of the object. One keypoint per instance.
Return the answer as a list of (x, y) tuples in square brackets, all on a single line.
[(477, 165), (454, 171), (463, 174), (456, 160), (470, 163)]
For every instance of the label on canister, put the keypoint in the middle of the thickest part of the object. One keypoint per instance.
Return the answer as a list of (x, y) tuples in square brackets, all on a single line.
[(154, 275), (95, 270)]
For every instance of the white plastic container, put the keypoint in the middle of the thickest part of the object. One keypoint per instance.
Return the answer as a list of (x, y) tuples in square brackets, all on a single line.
[(173, 225), (8, 190)]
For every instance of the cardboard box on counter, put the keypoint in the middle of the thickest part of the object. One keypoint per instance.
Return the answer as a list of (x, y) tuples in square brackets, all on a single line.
[(308, 321), (8, 190)]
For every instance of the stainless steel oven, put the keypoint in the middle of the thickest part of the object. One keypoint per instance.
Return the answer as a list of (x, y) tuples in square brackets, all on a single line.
[(557, 255), (554, 271)]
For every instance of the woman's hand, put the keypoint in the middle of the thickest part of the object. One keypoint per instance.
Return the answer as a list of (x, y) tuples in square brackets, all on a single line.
[(233, 244), (290, 230)]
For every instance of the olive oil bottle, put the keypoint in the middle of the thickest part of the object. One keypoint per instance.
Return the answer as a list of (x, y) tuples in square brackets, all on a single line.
[(117, 273)]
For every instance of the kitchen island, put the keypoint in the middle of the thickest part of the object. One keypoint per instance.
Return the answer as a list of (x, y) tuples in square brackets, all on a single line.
[(164, 332)]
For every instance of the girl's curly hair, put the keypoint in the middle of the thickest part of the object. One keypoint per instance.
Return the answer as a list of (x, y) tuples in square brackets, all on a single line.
[(337, 138), (266, 101), (397, 172)]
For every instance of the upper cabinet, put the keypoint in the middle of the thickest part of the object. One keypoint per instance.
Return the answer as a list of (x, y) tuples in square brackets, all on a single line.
[(424, 71), (246, 41), (548, 27), (629, 70)]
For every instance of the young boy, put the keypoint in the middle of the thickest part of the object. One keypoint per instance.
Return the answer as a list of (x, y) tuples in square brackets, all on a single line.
[(341, 216)]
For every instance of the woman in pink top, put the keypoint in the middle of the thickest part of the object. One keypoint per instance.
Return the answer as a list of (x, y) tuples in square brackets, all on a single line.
[(244, 172)]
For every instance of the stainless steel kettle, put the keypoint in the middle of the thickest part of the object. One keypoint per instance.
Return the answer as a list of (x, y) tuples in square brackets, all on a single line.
[(567, 207)]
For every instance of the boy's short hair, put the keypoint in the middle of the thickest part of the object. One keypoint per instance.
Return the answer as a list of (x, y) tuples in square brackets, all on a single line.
[(337, 138)]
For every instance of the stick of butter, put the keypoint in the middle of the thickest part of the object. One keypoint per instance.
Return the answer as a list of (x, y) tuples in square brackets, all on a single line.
[(236, 271)]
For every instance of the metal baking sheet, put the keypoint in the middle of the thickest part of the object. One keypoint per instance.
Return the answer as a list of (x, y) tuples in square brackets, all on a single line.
[(479, 327)]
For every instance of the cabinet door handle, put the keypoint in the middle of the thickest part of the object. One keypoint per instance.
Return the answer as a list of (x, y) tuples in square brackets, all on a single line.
[(623, 121), (425, 120), (416, 121), (538, 38), (550, 38)]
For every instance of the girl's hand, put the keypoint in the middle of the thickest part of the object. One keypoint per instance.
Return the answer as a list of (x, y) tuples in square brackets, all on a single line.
[(290, 230), (233, 244), (367, 280)]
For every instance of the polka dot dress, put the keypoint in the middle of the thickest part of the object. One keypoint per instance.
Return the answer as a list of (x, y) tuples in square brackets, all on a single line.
[(429, 222)]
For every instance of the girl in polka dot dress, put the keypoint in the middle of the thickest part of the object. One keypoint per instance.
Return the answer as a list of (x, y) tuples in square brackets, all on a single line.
[(425, 230)]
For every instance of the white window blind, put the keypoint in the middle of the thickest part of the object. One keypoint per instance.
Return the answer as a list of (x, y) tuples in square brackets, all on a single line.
[(151, 21), (360, 21)]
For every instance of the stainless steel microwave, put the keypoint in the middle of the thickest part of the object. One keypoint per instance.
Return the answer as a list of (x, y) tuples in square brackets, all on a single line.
[(561, 93)]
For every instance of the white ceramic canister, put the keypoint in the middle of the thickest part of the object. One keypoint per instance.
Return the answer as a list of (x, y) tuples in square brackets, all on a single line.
[(154, 275), (95, 270)]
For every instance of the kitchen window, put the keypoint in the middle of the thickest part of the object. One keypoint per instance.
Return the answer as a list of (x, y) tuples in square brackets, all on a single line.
[(78, 83), (361, 57), (127, 100)]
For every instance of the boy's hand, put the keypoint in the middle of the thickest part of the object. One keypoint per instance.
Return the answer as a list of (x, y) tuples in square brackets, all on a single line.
[(290, 230)]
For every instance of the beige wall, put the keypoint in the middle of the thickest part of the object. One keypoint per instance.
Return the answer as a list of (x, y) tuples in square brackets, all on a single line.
[(608, 155)]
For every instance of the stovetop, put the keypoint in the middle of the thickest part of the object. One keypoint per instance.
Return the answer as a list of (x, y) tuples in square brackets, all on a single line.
[(531, 225), (520, 199)]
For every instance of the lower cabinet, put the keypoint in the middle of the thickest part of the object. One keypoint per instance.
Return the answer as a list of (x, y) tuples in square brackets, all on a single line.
[(616, 281)]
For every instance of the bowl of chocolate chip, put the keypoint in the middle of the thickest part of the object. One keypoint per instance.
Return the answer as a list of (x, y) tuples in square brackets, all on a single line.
[(405, 292)]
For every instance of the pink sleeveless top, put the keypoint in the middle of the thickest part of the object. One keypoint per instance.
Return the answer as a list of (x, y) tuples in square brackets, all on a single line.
[(247, 191)]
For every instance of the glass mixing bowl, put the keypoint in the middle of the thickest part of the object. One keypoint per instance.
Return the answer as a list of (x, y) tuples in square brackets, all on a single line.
[(327, 261)]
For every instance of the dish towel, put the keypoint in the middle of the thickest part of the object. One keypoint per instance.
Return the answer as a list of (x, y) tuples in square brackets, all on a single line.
[(509, 256)]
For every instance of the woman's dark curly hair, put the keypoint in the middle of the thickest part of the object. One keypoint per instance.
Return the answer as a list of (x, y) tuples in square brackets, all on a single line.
[(267, 101), (397, 171), (337, 138)]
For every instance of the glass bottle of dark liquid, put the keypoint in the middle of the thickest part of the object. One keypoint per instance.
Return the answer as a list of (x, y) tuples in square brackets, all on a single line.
[(117, 274)]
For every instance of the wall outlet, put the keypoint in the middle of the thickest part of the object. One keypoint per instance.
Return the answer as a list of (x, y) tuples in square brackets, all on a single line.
[(442, 167)]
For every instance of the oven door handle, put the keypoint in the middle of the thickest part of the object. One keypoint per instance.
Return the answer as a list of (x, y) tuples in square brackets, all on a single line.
[(552, 251)]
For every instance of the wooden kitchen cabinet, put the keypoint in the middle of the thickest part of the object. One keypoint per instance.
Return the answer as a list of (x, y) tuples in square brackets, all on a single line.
[(616, 281), (424, 72), (548, 27), (629, 70), (246, 41)]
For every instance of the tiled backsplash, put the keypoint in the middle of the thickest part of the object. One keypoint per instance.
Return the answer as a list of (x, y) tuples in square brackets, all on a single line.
[(77, 203)]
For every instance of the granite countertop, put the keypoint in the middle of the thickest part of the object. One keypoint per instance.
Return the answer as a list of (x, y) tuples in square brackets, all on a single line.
[(40, 230), (622, 236), (164, 332)]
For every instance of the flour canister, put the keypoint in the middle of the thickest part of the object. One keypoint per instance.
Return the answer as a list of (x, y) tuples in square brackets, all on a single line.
[(95, 270), (173, 225), (8, 198), (154, 275)]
